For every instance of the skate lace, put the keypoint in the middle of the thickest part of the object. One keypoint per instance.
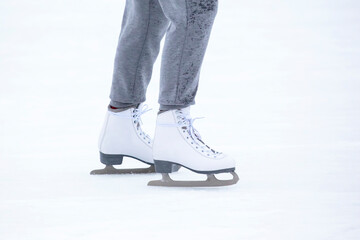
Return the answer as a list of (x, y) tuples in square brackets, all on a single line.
[(137, 112), (188, 123)]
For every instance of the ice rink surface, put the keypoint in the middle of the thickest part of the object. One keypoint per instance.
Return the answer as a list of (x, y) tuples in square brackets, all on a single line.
[(280, 92)]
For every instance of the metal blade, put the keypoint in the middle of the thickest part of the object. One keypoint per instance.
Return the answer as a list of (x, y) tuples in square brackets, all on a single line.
[(211, 181), (109, 169)]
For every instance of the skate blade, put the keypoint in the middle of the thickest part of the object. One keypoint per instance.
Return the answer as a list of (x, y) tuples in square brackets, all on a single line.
[(109, 169), (211, 181)]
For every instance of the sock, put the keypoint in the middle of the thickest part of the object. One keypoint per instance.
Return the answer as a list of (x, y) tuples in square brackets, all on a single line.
[(162, 111), (115, 109)]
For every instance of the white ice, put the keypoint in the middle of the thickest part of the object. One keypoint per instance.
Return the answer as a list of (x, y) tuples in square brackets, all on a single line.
[(280, 92)]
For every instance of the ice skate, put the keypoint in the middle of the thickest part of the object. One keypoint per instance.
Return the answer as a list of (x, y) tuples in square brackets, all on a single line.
[(177, 143), (122, 136)]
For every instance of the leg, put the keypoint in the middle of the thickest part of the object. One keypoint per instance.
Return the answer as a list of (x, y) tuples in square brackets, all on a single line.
[(143, 27), (184, 50)]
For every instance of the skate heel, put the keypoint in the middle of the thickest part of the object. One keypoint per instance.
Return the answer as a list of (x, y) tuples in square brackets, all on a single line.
[(165, 166), (111, 159)]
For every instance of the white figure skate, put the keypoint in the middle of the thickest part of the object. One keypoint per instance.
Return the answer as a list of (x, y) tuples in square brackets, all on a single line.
[(177, 143), (122, 136)]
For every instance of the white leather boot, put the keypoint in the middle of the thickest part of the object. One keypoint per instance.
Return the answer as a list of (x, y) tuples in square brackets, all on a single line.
[(177, 143), (122, 136)]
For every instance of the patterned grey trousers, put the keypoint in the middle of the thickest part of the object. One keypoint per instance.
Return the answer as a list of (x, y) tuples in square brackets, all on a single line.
[(187, 24)]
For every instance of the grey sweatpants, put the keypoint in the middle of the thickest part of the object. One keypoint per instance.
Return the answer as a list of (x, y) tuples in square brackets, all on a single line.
[(187, 24)]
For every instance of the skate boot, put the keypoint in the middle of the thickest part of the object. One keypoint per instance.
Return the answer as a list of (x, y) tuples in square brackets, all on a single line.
[(122, 136), (177, 143)]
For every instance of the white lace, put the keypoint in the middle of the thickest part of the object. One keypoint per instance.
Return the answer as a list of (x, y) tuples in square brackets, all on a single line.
[(188, 122), (136, 114)]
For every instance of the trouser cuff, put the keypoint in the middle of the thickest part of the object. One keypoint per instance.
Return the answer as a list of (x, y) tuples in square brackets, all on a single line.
[(123, 105), (172, 107)]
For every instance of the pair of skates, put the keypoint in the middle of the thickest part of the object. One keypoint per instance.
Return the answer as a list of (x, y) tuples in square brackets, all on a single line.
[(176, 144)]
